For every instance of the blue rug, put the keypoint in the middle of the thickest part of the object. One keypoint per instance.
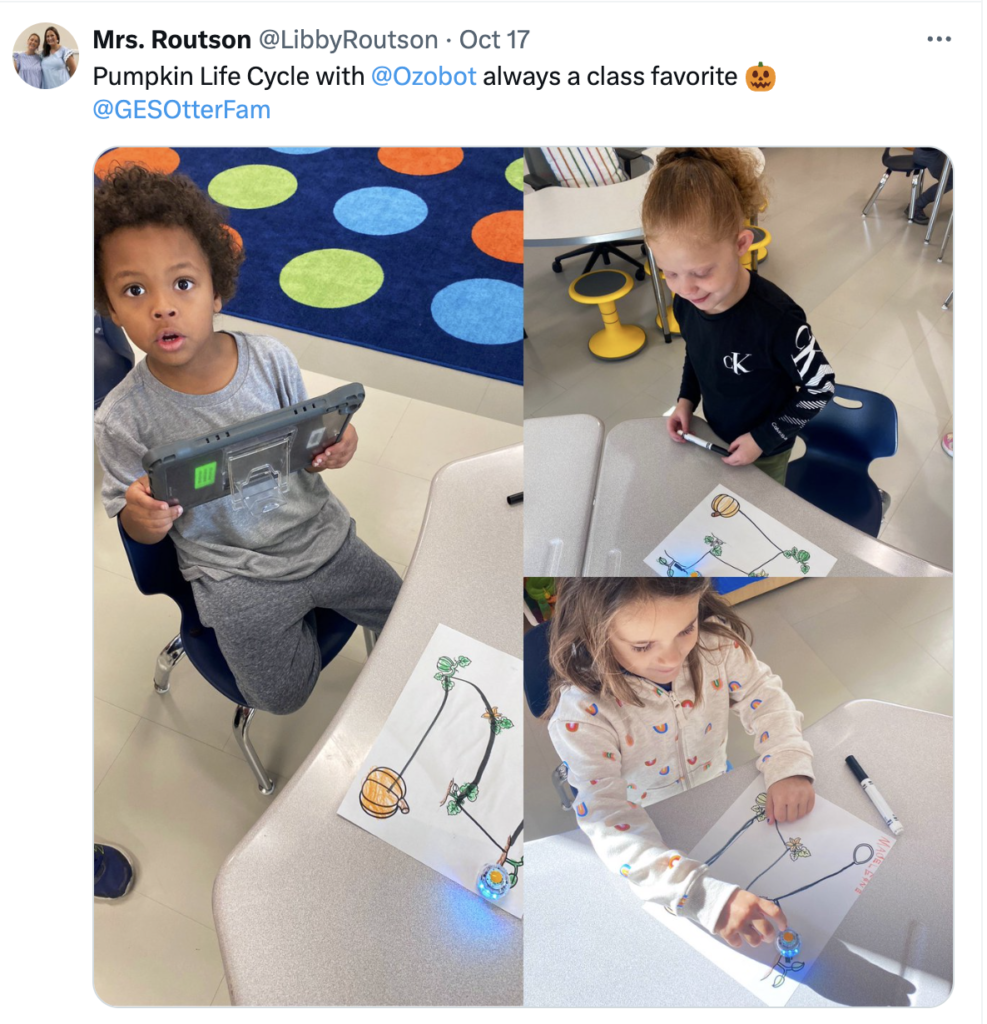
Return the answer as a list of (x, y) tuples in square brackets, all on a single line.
[(411, 252)]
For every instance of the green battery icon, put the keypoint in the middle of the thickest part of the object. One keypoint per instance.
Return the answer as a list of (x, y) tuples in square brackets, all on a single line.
[(205, 475)]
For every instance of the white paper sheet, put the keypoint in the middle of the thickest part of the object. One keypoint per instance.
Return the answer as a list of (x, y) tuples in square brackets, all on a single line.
[(448, 717), (761, 860), (726, 535)]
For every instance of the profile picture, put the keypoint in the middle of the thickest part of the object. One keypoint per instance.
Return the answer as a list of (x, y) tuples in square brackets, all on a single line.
[(45, 56)]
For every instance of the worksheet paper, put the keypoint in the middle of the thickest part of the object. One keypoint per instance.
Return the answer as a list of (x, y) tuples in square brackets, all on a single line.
[(774, 862), (726, 535), (442, 735)]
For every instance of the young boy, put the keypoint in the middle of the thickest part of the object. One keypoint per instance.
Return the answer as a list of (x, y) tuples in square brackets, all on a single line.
[(164, 266), (750, 353)]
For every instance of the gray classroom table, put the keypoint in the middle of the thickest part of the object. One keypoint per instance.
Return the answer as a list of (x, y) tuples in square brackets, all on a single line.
[(312, 910), (589, 942), (561, 456), (647, 484)]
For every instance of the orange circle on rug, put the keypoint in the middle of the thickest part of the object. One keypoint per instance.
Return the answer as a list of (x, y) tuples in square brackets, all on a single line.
[(501, 235), (153, 158), (420, 161), (235, 236)]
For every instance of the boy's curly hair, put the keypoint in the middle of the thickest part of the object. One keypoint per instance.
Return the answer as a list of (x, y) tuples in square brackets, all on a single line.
[(132, 196)]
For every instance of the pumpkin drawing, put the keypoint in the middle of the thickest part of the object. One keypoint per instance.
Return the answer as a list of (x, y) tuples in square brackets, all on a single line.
[(725, 505), (761, 78), (383, 792)]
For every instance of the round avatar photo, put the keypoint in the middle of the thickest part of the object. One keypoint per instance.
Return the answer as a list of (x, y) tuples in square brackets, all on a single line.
[(45, 56)]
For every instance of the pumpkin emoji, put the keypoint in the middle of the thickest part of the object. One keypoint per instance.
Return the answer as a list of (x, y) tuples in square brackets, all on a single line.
[(760, 79)]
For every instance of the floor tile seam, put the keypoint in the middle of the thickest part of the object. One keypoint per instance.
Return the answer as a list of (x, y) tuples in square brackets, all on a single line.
[(946, 668), (154, 899), (856, 593), (172, 729), (408, 410), (915, 408), (875, 609), (219, 987), (122, 745)]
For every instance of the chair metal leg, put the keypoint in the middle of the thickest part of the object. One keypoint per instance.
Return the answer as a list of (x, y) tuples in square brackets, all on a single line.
[(873, 199), (948, 302), (167, 660), (659, 297), (945, 238), (940, 192), (560, 781), (241, 723), (370, 639), (918, 179)]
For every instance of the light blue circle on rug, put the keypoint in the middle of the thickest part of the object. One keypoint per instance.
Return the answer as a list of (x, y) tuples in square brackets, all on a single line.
[(380, 211), (481, 310), (300, 150)]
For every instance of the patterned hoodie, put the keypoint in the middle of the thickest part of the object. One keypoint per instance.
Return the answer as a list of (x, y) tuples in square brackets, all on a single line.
[(622, 759)]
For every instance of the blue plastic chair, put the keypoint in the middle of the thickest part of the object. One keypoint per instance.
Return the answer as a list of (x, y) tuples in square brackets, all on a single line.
[(840, 445), (113, 358), (537, 673), (155, 569)]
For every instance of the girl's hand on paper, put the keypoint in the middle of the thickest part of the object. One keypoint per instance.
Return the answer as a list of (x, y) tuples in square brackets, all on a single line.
[(789, 799), (748, 918)]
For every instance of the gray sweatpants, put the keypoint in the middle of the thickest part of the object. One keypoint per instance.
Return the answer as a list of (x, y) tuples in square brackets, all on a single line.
[(263, 632)]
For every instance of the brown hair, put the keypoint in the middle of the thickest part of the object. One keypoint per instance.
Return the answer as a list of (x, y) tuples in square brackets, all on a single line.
[(579, 649), (707, 193), (132, 196), (46, 51)]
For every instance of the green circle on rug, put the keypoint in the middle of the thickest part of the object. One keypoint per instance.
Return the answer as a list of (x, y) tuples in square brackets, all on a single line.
[(331, 278), (515, 173), (253, 186)]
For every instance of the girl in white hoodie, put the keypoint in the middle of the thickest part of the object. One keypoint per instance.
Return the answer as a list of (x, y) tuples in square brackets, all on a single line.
[(645, 675)]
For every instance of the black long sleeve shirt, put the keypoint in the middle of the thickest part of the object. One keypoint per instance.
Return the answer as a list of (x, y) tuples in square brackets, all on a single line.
[(756, 366)]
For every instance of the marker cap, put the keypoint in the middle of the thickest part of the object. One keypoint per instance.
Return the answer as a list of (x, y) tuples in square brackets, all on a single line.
[(856, 769)]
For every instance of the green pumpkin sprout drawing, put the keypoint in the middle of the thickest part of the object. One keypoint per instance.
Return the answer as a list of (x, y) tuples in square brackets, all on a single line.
[(716, 545), (802, 557), (499, 721), (467, 791), (447, 669)]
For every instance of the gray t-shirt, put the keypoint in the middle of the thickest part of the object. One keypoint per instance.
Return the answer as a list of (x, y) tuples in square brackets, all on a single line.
[(213, 539)]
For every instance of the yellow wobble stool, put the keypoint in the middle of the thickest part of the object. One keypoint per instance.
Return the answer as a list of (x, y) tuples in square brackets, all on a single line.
[(758, 251), (602, 288)]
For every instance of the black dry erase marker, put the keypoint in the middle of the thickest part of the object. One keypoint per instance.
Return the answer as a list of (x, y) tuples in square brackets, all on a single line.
[(883, 807), (708, 445)]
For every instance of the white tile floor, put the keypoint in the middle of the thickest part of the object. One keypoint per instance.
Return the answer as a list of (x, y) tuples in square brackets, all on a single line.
[(831, 640), (171, 784), (872, 292)]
